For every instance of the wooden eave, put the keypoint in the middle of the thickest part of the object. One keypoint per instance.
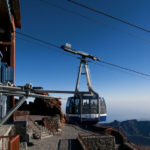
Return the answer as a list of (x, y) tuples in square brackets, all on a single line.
[(3, 9), (15, 10)]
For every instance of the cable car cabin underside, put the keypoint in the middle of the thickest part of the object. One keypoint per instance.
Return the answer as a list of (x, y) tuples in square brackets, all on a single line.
[(85, 109)]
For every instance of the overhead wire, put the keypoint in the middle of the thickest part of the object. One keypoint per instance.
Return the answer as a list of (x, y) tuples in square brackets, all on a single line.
[(40, 42), (127, 69), (120, 70), (59, 47), (95, 20), (37, 39), (110, 16)]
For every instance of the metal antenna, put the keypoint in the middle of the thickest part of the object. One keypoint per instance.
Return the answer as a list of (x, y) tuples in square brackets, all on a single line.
[(83, 63)]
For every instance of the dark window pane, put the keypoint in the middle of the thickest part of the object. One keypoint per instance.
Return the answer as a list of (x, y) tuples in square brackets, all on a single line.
[(86, 106), (94, 109)]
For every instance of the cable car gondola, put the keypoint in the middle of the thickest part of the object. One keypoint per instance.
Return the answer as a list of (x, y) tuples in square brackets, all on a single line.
[(85, 107)]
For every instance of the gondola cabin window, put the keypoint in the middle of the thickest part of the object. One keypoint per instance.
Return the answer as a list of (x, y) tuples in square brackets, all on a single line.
[(102, 106), (86, 106), (77, 106), (94, 108)]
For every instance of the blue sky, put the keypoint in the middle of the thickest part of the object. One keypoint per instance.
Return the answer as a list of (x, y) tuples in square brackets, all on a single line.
[(127, 94)]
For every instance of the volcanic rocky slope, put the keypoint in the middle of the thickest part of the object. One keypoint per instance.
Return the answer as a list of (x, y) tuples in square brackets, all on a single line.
[(50, 111), (136, 131)]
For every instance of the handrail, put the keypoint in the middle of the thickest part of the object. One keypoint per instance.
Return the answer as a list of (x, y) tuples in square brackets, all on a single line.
[(1, 137), (85, 146)]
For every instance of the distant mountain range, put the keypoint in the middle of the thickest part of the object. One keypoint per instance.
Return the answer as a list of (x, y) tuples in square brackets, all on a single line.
[(137, 132)]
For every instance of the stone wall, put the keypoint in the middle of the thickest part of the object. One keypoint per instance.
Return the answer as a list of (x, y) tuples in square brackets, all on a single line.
[(97, 142)]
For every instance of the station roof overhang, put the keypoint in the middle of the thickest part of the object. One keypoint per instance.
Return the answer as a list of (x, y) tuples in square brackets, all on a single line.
[(8, 8)]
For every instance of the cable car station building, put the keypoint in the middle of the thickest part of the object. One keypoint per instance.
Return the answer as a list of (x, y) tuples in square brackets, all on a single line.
[(9, 20)]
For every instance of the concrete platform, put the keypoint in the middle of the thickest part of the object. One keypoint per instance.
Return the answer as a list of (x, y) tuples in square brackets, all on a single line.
[(57, 142), (5, 129)]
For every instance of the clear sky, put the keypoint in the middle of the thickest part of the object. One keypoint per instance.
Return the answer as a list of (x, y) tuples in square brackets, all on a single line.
[(127, 95)]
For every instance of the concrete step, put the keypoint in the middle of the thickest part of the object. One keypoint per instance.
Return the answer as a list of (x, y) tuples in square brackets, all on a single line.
[(39, 131), (47, 136)]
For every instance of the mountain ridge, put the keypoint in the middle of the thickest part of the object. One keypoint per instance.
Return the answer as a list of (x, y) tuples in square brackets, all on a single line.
[(136, 131)]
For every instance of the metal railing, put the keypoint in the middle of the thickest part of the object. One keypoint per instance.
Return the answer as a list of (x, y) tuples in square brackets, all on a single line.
[(10, 142), (14, 144)]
